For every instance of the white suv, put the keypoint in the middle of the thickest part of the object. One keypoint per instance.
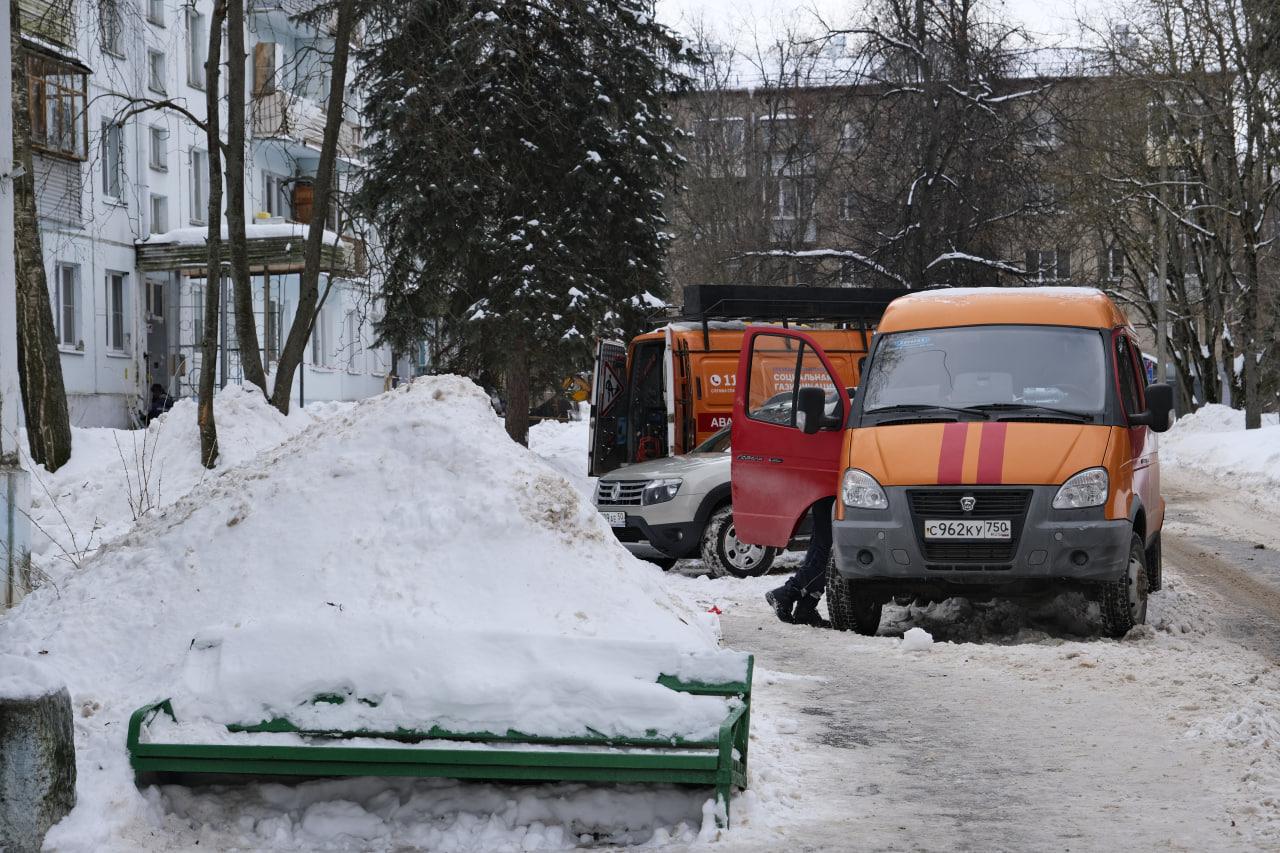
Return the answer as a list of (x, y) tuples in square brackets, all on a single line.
[(681, 507)]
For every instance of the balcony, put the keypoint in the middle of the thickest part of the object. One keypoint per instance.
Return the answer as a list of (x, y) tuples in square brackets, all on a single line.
[(284, 116)]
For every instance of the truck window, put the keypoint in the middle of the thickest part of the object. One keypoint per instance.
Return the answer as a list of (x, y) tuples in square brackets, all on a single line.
[(1127, 371), (996, 368), (780, 366)]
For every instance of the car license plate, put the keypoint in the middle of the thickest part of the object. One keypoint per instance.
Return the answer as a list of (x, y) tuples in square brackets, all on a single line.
[(987, 528), (615, 519)]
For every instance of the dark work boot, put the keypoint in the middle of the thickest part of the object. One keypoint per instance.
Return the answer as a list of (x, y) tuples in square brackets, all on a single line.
[(806, 613), (781, 600)]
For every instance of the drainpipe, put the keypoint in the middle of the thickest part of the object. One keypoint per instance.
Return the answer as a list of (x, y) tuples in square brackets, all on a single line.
[(15, 503)]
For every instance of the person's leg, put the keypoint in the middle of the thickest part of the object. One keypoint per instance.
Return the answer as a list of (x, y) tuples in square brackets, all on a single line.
[(803, 589)]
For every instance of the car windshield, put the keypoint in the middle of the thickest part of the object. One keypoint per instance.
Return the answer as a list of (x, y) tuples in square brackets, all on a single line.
[(718, 443), (993, 371)]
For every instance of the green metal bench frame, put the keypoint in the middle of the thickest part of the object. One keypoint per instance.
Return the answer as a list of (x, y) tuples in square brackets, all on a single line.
[(722, 763)]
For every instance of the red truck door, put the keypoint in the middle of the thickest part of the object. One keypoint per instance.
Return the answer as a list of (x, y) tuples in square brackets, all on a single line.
[(779, 470)]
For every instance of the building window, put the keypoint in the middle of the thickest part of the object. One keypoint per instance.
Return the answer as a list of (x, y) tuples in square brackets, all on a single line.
[(56, 101), (111, 21), (197, 47), (159, 148), (321, 348), (788, 200), (155, 298), (155, 12), (156, 71), (275, 195), (67, 282), (850, 134), (1049, 265), (159, 214), (847, 207), (117, 334), (1113, 263), (112, 160), (199, 186)]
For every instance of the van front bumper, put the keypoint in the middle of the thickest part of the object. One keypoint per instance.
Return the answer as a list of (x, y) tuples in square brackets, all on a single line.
[(1047, 544)]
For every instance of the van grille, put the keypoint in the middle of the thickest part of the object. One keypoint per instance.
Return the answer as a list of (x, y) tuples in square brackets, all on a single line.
[(953, 554), (619, 492)]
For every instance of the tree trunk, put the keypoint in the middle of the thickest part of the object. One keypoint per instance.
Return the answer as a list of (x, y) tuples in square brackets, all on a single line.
[(44, 396), (517, 385), (242, 285), (309, 300), (213, 273), (37, 768)]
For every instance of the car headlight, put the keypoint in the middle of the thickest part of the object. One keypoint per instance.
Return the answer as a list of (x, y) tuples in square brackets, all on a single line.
[(1088, 488), (860, 490), (659, 491)]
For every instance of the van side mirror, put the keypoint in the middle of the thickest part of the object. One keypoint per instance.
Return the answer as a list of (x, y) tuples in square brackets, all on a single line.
[(1159, 406), (811, 404)]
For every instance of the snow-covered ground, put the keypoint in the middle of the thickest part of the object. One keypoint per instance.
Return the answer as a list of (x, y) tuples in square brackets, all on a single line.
[(989, 727), (1213, 441)]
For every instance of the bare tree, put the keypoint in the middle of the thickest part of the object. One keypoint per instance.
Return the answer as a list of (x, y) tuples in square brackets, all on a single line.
[(44, 396), (213, 288), (310, 297)]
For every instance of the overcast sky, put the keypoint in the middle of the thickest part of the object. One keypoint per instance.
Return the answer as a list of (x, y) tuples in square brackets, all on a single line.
[(1052, 18)]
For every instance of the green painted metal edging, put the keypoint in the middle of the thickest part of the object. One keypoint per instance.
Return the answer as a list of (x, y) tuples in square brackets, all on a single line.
[(721, 762)]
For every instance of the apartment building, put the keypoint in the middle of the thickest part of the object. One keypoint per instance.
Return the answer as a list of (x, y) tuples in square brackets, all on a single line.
[(122, 187)]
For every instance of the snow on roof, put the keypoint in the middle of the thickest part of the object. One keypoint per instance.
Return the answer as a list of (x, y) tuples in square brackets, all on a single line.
[(199, 235)]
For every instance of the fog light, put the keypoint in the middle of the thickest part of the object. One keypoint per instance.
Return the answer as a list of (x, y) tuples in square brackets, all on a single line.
[(1079, 557), (866, 557)]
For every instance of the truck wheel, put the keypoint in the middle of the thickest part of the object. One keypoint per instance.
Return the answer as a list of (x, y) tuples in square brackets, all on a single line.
[(1124, 601), (724, 554), (1155, 565), (850, 607)]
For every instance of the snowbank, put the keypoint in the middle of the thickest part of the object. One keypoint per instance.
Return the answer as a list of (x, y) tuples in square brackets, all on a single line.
[(564, 445), (1213, 441), (116, 476), (411, 511)]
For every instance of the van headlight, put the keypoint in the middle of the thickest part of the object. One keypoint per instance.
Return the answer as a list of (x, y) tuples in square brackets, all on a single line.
[(659, 491), (1088, 488), (859, 490)]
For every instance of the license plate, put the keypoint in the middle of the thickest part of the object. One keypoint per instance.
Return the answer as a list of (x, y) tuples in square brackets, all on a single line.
[(987, 528), (615, 519)]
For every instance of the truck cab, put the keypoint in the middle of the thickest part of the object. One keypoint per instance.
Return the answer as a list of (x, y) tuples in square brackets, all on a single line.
[(1001, 443)]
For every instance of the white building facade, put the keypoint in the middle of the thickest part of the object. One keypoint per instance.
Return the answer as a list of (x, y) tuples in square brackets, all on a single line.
[(122, 187)]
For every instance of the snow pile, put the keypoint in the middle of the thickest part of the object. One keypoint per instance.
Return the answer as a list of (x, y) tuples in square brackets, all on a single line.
[(115, 476), (916, 640), (411, 511), (563, 444), (1213, 440), (25, 679)]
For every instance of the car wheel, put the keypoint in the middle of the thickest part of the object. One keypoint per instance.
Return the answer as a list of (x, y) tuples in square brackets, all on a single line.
[(724, 553), (1124, 601), (850, 607)]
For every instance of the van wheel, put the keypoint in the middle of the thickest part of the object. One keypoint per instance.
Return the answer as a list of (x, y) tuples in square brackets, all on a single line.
[(850, 606), (724, 553), (1124, 601), (1155, 565)]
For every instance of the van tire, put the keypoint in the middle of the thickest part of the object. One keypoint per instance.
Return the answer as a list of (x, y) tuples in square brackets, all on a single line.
[(851, 608), (1124, 601), (723, 554), (1155, 565)]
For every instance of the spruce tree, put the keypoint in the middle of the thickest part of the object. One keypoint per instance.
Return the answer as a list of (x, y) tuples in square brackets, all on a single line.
[(518, 157)]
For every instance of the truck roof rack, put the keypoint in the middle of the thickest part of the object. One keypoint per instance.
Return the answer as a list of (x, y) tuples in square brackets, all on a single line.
[(862, 306)]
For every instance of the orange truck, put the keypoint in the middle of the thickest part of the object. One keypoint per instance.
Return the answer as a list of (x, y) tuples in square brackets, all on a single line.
[(668, 390), (1002, 443)]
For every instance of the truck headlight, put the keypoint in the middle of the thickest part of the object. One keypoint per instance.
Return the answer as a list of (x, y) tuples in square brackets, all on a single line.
[(859, 490), (659, 491), (1088, 488)]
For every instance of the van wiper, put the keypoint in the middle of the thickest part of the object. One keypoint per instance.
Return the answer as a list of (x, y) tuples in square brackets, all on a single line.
[(929, 408), (1033, 407)]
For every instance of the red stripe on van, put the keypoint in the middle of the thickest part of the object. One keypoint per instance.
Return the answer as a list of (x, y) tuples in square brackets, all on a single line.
[(991, 453), (951, 457)]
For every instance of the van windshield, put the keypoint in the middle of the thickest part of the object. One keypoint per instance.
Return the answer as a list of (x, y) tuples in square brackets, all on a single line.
[(987, 372)]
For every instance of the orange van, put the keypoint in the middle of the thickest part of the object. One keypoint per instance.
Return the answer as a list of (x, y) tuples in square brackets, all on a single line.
[(667, 391), (1002, 443)]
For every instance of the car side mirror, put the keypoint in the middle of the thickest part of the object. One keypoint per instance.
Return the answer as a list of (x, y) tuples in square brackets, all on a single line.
[(1159, 406), (811, 404)]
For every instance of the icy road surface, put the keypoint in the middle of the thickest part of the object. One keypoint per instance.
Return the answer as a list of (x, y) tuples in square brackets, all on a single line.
[(1015, 731)]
